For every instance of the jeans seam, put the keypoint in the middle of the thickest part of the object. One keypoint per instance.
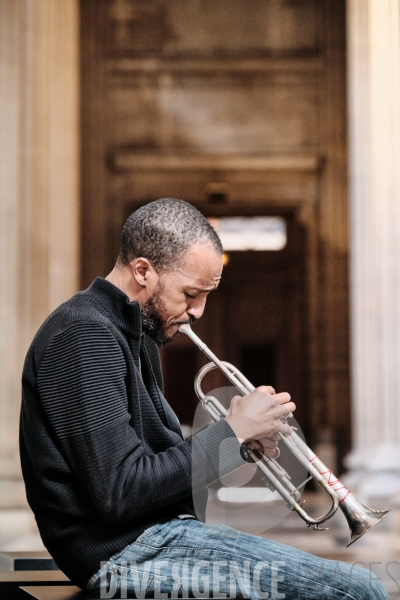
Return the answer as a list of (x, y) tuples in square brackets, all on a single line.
[(144, 533), (98, 573), (115, 567), (197, 549), (323, 584)]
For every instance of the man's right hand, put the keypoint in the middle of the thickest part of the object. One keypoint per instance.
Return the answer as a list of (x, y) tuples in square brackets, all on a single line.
[(258, 415)]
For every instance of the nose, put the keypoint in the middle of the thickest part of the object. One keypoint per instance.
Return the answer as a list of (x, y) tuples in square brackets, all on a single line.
[(197, 306)]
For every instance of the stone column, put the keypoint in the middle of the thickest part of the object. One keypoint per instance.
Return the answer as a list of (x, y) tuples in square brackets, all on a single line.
[(374, 149), (39, 210)]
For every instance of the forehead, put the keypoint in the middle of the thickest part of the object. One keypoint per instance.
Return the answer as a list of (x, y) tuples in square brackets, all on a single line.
[(202, 267)]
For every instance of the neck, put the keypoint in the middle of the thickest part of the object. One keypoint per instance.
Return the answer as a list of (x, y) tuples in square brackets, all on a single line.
[(122, 278)]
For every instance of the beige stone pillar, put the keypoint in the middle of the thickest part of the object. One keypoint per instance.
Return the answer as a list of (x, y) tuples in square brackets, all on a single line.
[(39, 188), (374, 128)]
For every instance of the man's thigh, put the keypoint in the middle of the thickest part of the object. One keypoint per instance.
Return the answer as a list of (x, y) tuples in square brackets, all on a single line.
[(190, 559)]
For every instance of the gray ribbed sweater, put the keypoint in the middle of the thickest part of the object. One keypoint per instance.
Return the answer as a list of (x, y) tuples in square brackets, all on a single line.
[(101, 450)]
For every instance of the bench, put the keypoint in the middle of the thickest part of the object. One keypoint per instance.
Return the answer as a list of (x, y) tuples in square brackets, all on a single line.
[(11, 581), (27, 561), (57, 593), (62, 592)]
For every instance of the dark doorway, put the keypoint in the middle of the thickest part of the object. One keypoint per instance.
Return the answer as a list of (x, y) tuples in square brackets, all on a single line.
[(259, 363), (256, 320), (179, 367)]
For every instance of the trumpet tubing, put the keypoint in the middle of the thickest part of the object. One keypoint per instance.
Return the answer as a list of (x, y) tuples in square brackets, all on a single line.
[(360, 518)]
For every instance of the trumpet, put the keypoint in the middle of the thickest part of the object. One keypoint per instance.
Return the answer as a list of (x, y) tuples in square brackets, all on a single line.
[(360, 518)]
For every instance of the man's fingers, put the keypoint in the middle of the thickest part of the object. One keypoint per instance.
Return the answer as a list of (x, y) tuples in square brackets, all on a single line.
[(282, 397), (274, 437), (285, 409), (266, 389), (260, 414), (269, 446), (271, 453), (285, 428), (269, 443)]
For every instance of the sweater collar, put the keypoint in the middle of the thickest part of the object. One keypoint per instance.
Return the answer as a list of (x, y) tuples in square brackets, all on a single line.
[(117, 307)]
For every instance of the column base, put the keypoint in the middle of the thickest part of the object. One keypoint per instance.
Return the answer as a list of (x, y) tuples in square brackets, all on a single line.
[(10, 468), (374, 478)]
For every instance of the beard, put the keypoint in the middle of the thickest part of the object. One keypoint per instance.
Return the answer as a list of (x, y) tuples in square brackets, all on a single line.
[(153, 321)]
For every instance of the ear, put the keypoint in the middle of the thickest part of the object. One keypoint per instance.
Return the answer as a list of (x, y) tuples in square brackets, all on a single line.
[(143, 272)]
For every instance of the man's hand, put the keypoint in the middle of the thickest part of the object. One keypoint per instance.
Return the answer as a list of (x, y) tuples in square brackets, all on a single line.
[(269, 446), (257, 416)]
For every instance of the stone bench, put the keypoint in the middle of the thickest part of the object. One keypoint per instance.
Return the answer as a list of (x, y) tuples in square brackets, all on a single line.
[(27, 561), (57, 593), (61, 592), (12, 581)]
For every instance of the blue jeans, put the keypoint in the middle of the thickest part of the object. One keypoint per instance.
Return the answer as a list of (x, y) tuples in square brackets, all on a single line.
[(189, 559)]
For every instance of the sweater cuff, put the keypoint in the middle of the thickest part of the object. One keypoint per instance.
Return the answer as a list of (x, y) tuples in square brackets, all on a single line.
[(222, 448)]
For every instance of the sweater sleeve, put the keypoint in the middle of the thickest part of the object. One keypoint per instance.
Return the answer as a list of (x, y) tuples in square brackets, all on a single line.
[(82, 387)]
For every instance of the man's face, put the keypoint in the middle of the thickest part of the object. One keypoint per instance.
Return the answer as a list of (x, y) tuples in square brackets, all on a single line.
[(180, 295)]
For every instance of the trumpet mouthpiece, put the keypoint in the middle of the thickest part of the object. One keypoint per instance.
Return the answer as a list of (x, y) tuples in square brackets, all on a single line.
[(185, 328)]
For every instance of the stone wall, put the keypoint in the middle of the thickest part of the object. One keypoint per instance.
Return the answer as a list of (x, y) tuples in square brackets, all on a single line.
[(184, 97)]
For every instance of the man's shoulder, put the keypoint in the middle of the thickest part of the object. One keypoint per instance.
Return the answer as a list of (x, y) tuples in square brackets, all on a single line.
[(80, 309), (79, 314)]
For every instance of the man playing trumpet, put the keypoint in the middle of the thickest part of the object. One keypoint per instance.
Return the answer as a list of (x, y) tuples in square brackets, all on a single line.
[(107, 473)]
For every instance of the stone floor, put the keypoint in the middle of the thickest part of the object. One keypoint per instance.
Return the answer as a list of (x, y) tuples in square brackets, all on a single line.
[(378, 550)]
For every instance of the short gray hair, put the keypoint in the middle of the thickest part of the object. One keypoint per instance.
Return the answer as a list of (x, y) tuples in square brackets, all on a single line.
[(163, 231)]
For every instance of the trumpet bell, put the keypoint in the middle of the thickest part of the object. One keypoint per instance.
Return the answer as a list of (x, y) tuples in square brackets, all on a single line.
[(360, 518)]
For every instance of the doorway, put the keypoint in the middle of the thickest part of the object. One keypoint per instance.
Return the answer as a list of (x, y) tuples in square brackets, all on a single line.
[(257, 321)]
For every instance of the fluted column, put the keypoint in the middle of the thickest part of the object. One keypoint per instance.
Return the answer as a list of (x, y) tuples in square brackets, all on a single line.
[(374, 128), (39, 74)]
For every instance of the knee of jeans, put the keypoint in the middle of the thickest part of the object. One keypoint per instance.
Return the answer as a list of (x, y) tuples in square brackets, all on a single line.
[(378, 592), (364, 585)]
